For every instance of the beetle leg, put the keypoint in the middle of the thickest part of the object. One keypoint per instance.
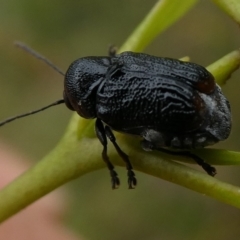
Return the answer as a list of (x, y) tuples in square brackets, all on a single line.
[(207, 167), (112, 51), (132, 181), (100, 132)]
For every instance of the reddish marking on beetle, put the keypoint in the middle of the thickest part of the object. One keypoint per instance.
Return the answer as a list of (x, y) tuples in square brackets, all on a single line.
[(207, 85)]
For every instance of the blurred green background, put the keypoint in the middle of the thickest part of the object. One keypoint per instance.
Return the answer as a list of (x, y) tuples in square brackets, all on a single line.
[(66, 30)]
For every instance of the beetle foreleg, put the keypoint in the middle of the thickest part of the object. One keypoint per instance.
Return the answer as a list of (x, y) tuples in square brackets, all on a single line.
[(100, 132), (112, 51), (132, 181), (207, 167)]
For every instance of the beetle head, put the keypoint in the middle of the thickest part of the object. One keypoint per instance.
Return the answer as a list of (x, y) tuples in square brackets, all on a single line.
[(82, 80)]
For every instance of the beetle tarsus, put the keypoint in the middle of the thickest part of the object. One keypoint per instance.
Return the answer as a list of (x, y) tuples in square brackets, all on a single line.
[(132, 181), (100, 132), (114, 179), (206, 166), (114, 176)]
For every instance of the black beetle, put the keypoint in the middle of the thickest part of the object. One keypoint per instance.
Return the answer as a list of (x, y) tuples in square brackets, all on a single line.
[(171, 104)]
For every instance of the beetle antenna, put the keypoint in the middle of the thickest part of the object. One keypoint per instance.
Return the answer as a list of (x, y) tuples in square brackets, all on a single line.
[(38, 56), (8, 120)]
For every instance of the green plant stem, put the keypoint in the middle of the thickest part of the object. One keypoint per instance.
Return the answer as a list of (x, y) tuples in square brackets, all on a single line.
[(231, 7), (225, 66), (163, 15), (78, 152), (82, 156)]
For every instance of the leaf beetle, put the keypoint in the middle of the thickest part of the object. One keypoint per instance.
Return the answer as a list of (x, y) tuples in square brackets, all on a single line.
[(171, 104)]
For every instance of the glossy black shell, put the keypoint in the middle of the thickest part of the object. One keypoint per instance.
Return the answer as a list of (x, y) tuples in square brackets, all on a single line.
[(166, 101)]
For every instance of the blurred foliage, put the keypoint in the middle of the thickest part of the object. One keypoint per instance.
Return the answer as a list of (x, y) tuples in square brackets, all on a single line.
[(66, 30)]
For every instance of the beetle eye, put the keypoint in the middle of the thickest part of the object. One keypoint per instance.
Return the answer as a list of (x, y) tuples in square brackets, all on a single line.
[(67, 102)]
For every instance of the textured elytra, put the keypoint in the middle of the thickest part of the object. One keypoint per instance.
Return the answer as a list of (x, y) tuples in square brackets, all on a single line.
[(166, 101)]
